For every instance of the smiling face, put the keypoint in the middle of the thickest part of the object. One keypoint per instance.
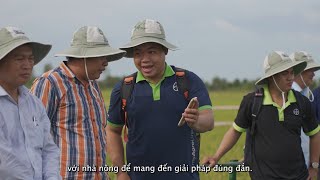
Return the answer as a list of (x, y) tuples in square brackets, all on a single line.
[(149, 58), (16, 67)]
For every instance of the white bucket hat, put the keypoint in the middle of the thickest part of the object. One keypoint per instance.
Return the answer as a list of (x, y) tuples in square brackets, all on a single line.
[(311, 64), (12, 37), (304, 56), (89, 41), (276, 62), (147, 31)]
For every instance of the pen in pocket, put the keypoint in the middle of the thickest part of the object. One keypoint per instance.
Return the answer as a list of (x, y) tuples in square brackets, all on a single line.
[(34, 121)]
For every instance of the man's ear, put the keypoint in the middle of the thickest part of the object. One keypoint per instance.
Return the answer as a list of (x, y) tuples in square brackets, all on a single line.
[(165, 50)]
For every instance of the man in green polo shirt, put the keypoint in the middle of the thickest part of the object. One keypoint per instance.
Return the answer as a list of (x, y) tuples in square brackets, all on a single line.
[(274, 151), (153, 112)]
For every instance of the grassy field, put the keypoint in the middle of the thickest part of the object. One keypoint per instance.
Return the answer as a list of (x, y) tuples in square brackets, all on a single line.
[(211, 140), (220, 98)]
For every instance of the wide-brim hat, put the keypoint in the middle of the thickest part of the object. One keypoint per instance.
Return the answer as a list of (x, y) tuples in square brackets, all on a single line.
[(89, 42), (12, 37), (276, 62), (147, 31), (304, 56)]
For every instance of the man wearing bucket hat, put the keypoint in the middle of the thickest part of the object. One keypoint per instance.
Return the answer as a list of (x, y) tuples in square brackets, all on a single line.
[(75, 104), (154, 110), (27, 150), (273, 147), (316, 102), (301, 84)]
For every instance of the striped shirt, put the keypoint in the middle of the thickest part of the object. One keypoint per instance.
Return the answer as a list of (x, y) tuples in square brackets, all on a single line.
[(78, 118)]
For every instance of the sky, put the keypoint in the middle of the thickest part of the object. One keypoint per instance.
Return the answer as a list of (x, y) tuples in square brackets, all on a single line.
[(224, 38)]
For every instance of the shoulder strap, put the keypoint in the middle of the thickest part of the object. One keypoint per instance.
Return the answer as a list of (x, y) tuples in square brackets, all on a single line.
[(255, 109), (183, 86), (182, 82), (126, 88), (249, 156), (125, 93)]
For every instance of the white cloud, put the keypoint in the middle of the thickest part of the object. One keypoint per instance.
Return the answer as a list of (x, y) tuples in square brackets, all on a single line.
[(237, 31), (226, 26)]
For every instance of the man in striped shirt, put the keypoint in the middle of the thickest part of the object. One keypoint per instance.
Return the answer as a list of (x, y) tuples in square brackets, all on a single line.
[(75, 104)]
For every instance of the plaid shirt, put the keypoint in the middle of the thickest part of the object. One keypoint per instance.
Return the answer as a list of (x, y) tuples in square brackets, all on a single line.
[(78, 117)]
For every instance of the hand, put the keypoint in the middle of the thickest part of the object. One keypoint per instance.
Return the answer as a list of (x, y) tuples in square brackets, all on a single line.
[(312, 173), (191, 114), (210, 161), (123, 176)]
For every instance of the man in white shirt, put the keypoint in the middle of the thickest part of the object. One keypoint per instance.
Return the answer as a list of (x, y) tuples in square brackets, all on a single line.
[(301, 84), (27, 150)]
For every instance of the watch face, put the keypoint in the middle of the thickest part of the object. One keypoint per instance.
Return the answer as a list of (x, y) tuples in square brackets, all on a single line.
[(315, 165)]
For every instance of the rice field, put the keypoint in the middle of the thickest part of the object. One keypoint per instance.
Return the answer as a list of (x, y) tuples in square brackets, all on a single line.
[(211, 140)]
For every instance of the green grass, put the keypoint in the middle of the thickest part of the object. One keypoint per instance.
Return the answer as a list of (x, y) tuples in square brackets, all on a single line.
[(211, 140), (219, 98), (209, 144), (225, 115)]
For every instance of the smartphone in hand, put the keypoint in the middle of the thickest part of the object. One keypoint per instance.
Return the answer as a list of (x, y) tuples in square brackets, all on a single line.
[(191, 104)]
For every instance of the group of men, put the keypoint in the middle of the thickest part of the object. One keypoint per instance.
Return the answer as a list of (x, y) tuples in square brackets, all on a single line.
[(67, 131), (61, 128)]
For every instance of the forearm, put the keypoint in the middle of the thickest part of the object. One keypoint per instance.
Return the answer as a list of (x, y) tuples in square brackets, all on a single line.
[(115, 147), (228, 141), (50, 161), (50, 153), (315, 147), (205, 121)]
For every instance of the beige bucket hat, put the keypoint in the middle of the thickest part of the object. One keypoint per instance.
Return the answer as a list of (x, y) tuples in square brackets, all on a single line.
[(145, 31), (12, 37), (89, 41), (304, 56), (276, 62)]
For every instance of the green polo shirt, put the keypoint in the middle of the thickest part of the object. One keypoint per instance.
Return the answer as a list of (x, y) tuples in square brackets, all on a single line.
[(156, 87), (267, 100), (277, 142)]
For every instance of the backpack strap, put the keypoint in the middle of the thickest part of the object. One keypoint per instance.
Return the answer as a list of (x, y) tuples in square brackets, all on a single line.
[(249, 156), (183, 86), (125, 93), (255, 109), (182, 82)]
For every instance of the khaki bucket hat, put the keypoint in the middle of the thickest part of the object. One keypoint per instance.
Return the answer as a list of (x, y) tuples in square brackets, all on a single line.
[(304, 56), (276, 62), (88, 42), (12, 37), (147, 31)]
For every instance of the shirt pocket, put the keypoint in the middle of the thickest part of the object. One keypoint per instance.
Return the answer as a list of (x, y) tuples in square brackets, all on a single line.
[(294, 123), (35, 129)]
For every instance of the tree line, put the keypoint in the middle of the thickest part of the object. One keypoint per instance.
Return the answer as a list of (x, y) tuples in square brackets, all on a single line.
[(216, 84)]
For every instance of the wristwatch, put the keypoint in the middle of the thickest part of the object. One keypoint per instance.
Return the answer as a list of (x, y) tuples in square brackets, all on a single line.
[(315, 165)]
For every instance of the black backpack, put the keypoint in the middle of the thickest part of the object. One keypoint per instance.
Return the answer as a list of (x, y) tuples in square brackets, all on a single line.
[(128, 86)]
